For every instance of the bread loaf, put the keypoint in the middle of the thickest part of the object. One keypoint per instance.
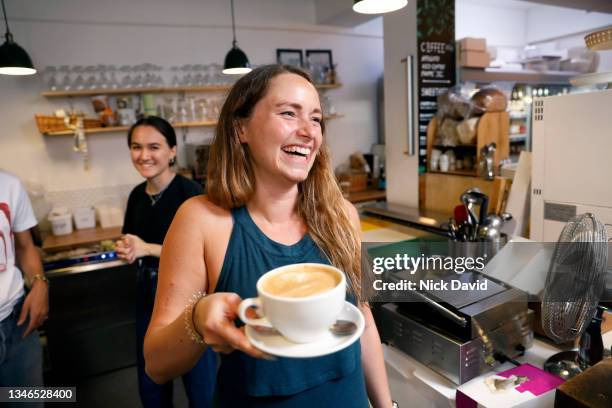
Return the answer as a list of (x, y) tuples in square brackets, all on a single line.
[(489, 100)]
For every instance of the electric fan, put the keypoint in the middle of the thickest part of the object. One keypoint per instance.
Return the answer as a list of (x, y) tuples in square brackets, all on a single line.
[(574, 284)]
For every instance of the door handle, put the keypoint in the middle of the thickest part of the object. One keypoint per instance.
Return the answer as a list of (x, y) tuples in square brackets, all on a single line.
[(410, 123)]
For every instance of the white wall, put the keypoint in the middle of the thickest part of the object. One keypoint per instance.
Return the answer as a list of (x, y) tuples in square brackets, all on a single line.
[(548, 22), (559, 28), (502, 23), (82, 32)]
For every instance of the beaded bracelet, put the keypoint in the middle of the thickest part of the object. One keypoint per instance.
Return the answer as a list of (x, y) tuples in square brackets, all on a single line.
[(188, 318)]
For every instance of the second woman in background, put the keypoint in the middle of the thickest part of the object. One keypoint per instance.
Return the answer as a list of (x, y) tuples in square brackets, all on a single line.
[(150, 210)]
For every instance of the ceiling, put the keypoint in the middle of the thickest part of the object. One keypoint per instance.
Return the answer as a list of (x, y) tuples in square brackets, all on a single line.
[(602, 6)]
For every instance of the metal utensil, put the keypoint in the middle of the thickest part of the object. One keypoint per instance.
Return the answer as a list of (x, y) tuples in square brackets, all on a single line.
[(453, 230), (494, 221), (339, 328)]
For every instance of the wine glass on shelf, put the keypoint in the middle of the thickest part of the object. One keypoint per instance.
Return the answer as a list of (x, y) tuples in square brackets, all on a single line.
[(138, 80), (159, 80), (79, 81), (113, 83), (187, 77), (175, 82), (102, 70), (126, 79), (49, 75), (65, 82), (198, 79), (90, 74)]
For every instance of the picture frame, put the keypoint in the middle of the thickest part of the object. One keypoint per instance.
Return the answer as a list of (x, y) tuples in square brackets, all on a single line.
[(320, 63), (288, 56)]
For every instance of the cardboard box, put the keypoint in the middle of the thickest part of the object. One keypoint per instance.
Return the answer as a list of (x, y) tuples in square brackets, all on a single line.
[(473, 44), (537, 391), (474, 59), (589, 389)]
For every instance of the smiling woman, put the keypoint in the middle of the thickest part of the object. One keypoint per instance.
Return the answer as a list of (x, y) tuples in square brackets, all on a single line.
[(150, 210), (272, 201), (284, 131)]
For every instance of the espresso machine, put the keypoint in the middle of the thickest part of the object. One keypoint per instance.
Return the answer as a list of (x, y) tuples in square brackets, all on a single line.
[(460, 334)]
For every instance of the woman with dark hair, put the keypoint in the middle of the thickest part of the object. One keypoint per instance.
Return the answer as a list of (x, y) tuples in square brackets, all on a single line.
[(272, 201), (150, 210)]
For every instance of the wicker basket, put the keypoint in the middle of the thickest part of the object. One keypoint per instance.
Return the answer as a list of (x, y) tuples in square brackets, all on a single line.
[(47, 124)]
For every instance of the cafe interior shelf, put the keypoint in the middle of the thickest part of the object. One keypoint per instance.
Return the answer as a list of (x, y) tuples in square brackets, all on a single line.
[(489, 75), (120, 91), (177, 125)]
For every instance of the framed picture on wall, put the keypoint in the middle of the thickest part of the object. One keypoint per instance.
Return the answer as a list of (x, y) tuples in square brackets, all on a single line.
[(321, 65), (289, 57)]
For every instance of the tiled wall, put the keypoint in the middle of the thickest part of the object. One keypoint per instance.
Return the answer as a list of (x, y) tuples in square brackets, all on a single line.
[(90, 196)]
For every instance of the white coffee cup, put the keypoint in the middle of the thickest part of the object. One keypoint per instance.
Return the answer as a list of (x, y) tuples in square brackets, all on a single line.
[(300, 317)]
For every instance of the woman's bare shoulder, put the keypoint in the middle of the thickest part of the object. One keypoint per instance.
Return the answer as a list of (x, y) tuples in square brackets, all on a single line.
[(199, 210)]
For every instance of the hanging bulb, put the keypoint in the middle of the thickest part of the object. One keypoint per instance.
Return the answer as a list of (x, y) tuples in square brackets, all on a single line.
[(378, 6)]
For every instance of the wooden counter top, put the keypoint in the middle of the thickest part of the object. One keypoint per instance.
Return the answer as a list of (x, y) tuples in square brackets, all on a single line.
[(80, 237), (370, 194)]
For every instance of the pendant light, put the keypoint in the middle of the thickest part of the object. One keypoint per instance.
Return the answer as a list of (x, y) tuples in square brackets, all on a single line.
[(236, 61), (14, 60), (378, 6)]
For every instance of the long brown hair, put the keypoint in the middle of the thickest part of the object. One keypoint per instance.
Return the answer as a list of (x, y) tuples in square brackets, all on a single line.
[(231, 180)]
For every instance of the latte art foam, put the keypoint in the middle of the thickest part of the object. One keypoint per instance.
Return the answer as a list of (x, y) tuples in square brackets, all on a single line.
[(301, 282)]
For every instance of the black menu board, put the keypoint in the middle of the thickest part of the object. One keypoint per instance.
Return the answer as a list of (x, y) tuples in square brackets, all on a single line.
[(435, 61)]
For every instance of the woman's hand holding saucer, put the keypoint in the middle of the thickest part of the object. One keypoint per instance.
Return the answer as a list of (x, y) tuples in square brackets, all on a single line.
[(213, 318)]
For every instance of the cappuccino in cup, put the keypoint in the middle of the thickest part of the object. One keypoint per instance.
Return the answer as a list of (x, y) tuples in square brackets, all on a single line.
[(301, 301), (301, 281)]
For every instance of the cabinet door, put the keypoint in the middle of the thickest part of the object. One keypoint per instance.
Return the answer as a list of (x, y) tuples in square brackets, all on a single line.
[(400, 45)]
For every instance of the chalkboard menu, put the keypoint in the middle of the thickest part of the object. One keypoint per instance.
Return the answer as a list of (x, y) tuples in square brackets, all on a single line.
[(435, 61)]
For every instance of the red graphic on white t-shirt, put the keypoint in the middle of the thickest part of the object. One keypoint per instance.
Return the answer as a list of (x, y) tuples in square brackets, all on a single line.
[(4, 208)]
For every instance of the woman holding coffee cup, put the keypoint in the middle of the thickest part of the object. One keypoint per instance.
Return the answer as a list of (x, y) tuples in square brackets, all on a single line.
[(272, 201), (151, 207)]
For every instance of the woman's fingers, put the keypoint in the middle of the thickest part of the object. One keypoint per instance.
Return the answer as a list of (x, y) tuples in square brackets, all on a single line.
[(219, 329)]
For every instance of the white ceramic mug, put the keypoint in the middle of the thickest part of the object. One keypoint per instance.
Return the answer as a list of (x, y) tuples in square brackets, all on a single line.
[(299, 319)]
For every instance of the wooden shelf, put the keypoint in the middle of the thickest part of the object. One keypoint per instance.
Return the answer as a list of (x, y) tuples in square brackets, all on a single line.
[(471, 173), (370, 194), (126, 128), (467, 146), (80, 237), (123, 91), (493, 127), (529, 77), (111, 129)]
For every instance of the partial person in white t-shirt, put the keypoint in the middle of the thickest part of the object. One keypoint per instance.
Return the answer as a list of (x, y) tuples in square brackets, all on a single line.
[(21, 311)]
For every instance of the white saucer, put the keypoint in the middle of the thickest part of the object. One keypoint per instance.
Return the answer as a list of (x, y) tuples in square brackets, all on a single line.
[(277, 345)]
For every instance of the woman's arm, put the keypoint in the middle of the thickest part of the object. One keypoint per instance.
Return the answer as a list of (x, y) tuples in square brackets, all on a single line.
[(372, 358), (168, 350), (373, 362)]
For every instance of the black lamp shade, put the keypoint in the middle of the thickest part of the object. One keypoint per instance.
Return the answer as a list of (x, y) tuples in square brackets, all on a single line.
[(14, 60), (236, 62)]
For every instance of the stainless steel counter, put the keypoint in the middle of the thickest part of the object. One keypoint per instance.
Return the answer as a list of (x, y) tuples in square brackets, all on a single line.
[(429, 221)]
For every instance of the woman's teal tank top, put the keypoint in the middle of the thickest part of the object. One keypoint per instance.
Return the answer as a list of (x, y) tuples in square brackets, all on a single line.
[(249, 381)]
